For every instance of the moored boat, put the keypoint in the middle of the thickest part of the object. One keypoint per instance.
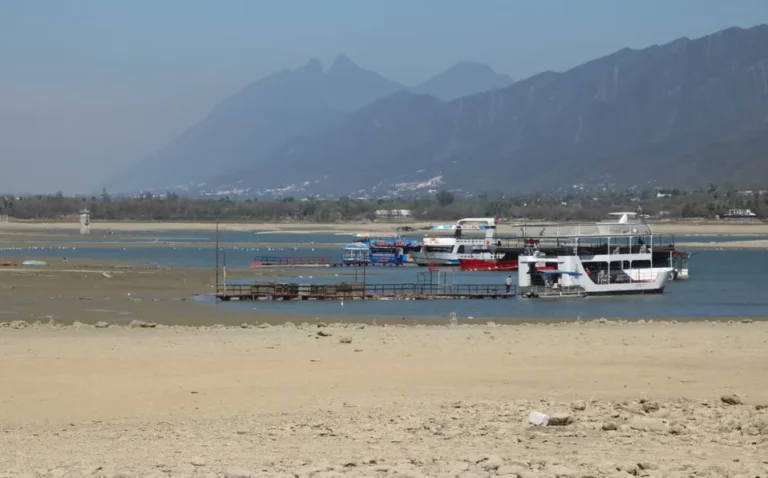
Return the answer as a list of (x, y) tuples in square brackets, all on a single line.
[(596, 259), (469, 238), (487, 265), (381, 248)]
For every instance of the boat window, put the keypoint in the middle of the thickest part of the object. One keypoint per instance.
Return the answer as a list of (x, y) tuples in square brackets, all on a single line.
[(625, 265), (661, 260), (461, 250), (596, 266), (615, 265), (641, 264), (439, 248)]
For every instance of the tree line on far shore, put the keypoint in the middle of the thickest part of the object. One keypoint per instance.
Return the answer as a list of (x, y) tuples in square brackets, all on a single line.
[(445, 205)]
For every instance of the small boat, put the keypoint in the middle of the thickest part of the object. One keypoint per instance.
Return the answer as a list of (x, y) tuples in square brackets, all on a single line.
[(501, 261), (380, 249), (34, 263)]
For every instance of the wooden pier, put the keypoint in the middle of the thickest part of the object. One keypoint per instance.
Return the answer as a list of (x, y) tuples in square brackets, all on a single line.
[(291, 261), (317, 261), (361, 291)]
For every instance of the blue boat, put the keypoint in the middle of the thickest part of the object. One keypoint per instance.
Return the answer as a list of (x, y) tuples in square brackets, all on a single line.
[(380, 249)]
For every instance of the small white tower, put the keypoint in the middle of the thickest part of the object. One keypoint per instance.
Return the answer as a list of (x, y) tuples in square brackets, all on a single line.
[(85, 221)]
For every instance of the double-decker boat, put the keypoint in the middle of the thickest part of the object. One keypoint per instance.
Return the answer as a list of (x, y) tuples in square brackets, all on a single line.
[(591, 259), (469, 238), (664, 255)]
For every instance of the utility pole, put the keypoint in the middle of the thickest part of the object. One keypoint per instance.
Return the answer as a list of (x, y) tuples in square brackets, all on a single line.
[(217, 256)]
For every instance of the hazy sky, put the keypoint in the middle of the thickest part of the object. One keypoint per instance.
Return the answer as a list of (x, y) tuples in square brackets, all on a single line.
[(86, 86)]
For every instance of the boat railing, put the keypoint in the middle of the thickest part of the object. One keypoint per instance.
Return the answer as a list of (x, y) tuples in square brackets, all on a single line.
[(584, 230), (434, 289), (614, 276)]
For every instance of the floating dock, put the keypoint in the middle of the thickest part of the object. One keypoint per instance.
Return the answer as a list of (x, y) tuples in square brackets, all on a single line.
[(318, 261), (544, 292), (292, 261), (361, 291)]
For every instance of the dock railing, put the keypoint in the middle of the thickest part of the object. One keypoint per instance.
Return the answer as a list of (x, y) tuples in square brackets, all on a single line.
[(361, 290), (290, 261), (435, 289)]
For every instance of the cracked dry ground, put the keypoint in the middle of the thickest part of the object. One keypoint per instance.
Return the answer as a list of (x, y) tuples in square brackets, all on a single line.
[(660, 399)]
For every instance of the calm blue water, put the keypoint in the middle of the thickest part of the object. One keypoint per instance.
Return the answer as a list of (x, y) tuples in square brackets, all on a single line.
[(201, 236), (718, 238), (187, 256), (723, 283)]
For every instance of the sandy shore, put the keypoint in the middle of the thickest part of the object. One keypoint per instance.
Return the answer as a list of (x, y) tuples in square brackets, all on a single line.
[(751, 244), (695, 228), (643, 399)]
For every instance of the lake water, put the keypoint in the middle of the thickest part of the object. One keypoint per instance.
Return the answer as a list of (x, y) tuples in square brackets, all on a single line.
[(724, 283)]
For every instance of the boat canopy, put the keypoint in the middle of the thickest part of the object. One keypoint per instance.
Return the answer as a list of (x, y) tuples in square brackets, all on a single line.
[(383, 243), (371, 235), (356, 245), (487, 221), (453, 227)]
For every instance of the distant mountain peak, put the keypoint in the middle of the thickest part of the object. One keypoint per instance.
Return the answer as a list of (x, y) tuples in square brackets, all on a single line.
[(351, 86), (342, 62), (470, 65), (464, 78), (314, 65)]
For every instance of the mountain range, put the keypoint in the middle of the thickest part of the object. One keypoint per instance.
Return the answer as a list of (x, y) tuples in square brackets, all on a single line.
[(681, 114), (289, 105)]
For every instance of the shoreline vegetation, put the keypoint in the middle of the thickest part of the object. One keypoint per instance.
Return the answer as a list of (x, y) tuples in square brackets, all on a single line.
[(583, 204)]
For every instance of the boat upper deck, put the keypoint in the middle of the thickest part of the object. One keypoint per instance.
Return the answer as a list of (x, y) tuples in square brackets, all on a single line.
[(574, 231)]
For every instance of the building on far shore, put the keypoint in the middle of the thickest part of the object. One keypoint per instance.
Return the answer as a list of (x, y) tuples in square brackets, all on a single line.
[(393, 213)]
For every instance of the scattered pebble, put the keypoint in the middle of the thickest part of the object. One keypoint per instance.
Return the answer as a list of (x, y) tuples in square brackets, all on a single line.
[(560, 419), (731, 399)]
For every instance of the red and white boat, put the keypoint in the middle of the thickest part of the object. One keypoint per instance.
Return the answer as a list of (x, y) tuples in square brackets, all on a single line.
[(487, 265), (460, 243), (500, 261)]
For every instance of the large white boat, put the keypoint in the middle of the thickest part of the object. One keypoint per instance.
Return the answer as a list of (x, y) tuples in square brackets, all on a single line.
[(469, 238), (592, 259)]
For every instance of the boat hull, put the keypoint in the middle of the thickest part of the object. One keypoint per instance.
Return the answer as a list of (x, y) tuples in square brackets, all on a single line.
[(495, 265), (487, 265), (572, 275), (440, 259)]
